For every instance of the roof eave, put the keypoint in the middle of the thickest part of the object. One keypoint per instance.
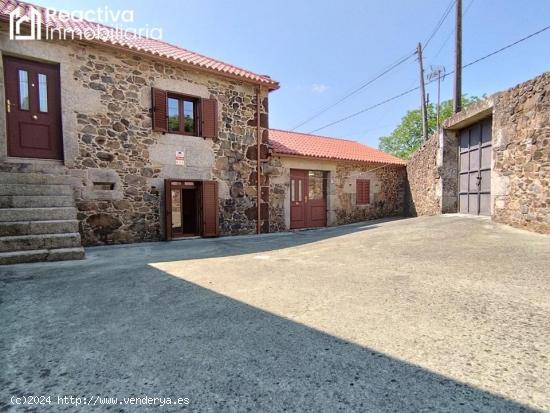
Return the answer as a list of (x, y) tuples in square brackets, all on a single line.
[(326, 158)]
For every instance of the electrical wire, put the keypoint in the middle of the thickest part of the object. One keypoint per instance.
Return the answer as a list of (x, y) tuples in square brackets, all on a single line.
[(439, 23), (451, 33), (384, 72), (356, 90), (406, 92)]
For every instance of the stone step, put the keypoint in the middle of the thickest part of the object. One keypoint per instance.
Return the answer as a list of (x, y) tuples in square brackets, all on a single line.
[(59, 254), (37, 214), (36, 178), (38, 227), (35, 201), (47, 167), (39, 242), (35, 189)]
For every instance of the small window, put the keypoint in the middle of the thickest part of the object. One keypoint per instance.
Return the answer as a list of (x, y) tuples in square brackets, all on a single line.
[(43, 92), (316, 185), (23, 90), (173, 115), (182, 115), (103, 186), (362, 196)]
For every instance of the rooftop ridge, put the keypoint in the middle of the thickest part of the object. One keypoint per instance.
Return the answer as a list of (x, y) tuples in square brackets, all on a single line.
[(317, 136)]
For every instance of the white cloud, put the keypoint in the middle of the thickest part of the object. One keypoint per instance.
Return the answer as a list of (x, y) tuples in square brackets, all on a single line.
[(319, 88)]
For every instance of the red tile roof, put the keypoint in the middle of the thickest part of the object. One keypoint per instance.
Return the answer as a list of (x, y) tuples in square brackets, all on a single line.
[(305, 145), (152, 47)]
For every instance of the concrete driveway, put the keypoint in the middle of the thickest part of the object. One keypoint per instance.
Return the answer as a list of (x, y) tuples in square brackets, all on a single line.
[(442, 313)]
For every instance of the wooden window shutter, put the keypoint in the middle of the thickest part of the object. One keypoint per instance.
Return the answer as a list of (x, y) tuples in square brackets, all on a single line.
[(209, 118), (168, 209), (210, 209), (160, 111), (362, 196)]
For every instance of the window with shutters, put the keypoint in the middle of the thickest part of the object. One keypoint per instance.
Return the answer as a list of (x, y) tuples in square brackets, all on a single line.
[(362, 196), (182, 114)]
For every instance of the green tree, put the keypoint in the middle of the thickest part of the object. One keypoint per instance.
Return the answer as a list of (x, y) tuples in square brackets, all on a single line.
[(407, 137)]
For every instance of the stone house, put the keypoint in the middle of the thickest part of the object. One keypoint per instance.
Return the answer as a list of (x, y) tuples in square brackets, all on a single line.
[(115, 140), (317, 181), (493, 158)]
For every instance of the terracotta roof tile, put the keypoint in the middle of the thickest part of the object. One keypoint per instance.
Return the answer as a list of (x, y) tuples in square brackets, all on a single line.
[(302, 144), (143, 45)]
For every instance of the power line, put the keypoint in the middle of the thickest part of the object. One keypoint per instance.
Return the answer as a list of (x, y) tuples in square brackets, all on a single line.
[(440, 23), (508, 46), (356, 90), (384, 72), (406, 92), (389, 69), (451, 33)]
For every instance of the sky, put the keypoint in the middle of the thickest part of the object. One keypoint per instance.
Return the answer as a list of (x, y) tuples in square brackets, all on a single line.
[(319, 50)]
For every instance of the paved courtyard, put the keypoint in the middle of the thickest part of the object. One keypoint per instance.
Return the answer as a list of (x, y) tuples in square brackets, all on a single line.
[(445, 313)]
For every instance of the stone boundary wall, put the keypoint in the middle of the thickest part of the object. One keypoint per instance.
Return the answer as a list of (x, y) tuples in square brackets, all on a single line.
[(521, 155), (422, 194), (520, 176)]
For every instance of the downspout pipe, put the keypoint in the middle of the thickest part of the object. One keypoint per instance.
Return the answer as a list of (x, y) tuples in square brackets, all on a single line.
[(258, 166)]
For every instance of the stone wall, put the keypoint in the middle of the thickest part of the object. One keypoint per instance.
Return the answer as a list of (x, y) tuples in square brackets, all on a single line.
[(520, 176), (422, 194), (521, 155), (106, 113), (386, 190)]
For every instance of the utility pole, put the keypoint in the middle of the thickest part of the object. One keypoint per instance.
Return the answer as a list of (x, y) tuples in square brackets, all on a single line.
[(457, 102), (422, 94), (436, 73)]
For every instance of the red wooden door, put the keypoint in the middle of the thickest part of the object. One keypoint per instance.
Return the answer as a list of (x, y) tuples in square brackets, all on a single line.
[(298, 185), (33, 107), (308, 199), (210, 220), (316, 199)]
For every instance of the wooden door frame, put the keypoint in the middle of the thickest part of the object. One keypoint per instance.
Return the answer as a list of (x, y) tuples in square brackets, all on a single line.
[(57, 98), (168, 236), (306, 206)]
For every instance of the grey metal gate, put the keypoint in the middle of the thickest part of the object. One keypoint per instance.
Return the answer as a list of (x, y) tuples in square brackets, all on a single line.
[(475, 169)]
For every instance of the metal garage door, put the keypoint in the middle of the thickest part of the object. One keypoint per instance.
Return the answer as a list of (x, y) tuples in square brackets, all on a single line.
[(475, 169)]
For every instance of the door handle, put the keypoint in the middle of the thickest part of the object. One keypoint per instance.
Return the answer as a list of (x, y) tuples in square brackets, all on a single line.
[(8, 105), (35, 117)]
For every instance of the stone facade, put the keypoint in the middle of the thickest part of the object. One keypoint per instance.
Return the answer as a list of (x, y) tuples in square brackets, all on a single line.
[(106, 117), (423, 197), (521, 155), (520, 165), (386, 190)]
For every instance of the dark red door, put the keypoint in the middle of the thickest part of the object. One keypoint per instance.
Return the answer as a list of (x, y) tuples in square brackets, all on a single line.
[(316, 199), (308, 205), (298, 185), (33, 109)]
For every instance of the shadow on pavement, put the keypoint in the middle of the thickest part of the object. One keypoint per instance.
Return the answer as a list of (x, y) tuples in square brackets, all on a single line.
[(119, 331)]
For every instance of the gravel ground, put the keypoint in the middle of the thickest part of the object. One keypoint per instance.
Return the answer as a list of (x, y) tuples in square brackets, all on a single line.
[(447, 313)]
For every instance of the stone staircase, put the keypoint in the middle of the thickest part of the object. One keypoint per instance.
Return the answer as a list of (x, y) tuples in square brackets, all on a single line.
[(37, 218)]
